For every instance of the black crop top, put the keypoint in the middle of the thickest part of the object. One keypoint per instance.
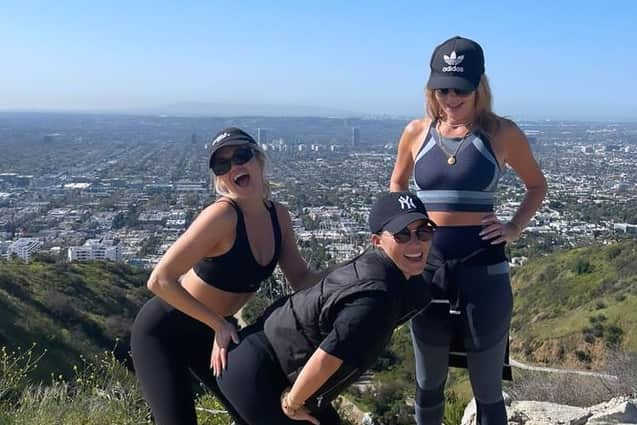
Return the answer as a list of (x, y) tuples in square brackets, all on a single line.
[(237, 270)]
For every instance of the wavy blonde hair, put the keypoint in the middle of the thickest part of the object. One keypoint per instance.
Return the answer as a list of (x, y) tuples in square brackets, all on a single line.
[(485, 119), (221, 188)]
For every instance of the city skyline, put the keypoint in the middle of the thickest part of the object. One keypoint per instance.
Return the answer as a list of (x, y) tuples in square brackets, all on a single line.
[(332, 59)]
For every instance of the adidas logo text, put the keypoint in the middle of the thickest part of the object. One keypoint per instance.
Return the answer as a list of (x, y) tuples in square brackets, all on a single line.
[(453, 69)]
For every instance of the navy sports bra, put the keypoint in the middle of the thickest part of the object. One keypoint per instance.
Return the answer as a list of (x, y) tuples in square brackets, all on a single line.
[(467, 185), (237, 270)]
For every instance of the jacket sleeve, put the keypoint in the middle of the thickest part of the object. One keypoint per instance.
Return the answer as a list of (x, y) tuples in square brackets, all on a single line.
[(362, 326)]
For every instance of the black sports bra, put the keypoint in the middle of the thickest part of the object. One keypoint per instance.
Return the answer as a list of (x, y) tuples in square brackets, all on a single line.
[(237, 270)]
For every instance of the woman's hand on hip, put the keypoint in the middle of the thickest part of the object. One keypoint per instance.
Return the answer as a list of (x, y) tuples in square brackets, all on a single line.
[(224, 334), (497, 232)]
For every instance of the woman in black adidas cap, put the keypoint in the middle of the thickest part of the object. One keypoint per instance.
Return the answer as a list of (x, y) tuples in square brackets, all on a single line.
[(207, 275), (456, 154), (307, 348)]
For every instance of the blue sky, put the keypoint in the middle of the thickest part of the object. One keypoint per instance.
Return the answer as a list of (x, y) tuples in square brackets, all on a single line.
[(577, 60)]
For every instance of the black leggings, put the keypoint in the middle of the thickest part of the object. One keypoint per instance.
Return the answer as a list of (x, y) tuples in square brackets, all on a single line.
[(168, 348), (254, 381)]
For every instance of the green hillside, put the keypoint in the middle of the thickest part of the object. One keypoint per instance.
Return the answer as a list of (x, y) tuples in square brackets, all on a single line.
[(572, 306), (69, 309)]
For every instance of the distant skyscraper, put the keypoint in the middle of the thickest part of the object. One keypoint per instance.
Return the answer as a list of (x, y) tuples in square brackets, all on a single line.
[(356, 136), (193, 138), (262, 135)]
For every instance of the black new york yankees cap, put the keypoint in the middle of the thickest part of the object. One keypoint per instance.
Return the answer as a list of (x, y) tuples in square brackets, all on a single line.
[(457, 63), (392, 211)]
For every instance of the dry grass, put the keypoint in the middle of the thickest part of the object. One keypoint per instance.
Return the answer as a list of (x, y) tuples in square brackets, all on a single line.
[(578, 390)]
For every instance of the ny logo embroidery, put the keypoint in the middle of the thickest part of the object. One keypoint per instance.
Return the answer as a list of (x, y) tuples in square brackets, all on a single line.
[(406, 202)]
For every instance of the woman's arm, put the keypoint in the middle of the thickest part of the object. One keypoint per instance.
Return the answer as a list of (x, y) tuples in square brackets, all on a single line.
[(292, 263), (314, 374), (404, 164), (202, 238), (364, 320), (517, 153)]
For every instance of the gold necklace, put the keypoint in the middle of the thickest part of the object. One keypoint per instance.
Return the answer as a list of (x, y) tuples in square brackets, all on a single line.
[(451, 157)]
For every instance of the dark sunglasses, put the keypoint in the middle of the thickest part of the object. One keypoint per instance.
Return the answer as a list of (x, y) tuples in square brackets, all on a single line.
[(423, 233), (459, 93), (240, 156)]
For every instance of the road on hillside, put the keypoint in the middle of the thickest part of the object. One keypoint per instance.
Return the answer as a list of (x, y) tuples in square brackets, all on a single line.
[(519, 365)]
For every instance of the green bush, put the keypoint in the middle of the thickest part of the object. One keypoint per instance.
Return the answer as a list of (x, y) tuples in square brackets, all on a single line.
[(253, 309), (15, 368), (454, 409), (583, 356), (582, 266), (101, 392), (613, 336)]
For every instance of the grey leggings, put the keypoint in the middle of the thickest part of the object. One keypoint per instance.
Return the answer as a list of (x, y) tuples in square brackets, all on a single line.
[(485, 371), (486, 306)]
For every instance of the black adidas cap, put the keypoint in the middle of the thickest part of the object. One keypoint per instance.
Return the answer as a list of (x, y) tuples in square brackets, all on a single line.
[(457, 63), (230, 136), (393, 211)]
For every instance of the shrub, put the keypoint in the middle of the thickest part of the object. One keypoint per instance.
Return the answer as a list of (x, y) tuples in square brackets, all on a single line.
[(613, 336), (253, 309), (582, 266), (102, 391), (15, 368), (623, 365), (588, 335), (454, 409), (583, 356), (597, 319), (388, 405), (210, 411), (570, 389)]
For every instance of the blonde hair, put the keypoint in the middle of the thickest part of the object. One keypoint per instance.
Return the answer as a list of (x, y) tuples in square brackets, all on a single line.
[(259, 155), (485, 119)]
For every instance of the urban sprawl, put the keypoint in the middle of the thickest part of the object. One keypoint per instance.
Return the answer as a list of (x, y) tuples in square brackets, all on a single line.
[(124, 188)]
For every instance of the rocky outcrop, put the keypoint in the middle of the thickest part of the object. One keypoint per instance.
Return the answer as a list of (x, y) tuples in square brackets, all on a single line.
[(618, 411)]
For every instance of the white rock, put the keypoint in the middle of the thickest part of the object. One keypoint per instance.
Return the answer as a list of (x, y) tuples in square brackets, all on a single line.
[(621, 412), (543, 413), (535, 413), (469, 415)]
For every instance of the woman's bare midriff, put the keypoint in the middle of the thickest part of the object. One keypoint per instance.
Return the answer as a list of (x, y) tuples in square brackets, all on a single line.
[(457, 218), (223, 303)]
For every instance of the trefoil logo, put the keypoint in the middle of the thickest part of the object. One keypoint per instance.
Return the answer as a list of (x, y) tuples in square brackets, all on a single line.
[(452, 60)]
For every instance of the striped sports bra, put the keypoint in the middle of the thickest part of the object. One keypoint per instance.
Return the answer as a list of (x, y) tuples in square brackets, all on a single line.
[(465, 183)]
